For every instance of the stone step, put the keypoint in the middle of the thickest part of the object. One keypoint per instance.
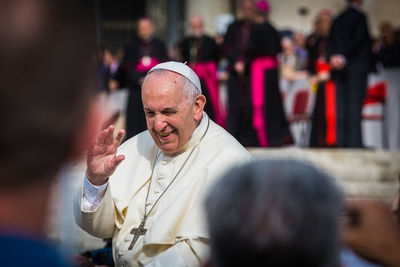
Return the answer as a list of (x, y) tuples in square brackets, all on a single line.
[(359, 172)]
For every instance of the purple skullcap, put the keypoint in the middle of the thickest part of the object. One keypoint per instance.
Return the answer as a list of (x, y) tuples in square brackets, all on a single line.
[(262, 6)]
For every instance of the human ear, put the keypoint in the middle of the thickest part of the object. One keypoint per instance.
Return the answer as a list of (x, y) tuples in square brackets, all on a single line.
[(198, 106)]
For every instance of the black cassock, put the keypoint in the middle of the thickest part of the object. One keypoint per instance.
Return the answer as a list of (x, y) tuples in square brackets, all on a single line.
[(323, 127), (349, 37), (268, 117), (198, 49), (202, 54), (140, 57), (235, 45)]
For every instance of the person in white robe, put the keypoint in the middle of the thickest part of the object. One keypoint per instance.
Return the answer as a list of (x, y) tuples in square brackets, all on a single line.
[(147, 195)]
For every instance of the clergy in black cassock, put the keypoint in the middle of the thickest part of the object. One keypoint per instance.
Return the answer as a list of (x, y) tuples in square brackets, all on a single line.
[(235, 46), (349, 51), (268, 117), (323, 128), (141, 54), (201, 53)]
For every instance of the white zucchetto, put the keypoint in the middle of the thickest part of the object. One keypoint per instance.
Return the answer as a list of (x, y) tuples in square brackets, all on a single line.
[(180, 68)]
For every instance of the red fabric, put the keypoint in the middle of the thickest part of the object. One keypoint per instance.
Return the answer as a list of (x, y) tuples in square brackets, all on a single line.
[(257, 69), (376, 93), (330, 104), (207, 71), (330, 113), (301, 102), (322, 66)]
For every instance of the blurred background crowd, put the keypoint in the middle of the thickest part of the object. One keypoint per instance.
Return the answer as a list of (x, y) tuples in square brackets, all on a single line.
[(307, 105)]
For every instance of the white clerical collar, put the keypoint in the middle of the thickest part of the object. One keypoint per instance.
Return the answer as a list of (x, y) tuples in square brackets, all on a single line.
[(200, 125)]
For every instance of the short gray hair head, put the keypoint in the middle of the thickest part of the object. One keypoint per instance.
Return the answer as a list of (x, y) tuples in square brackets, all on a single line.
[(274, 213)]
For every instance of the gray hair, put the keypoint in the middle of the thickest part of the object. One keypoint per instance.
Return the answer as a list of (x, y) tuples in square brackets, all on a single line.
[(190, 90), (274, 213)]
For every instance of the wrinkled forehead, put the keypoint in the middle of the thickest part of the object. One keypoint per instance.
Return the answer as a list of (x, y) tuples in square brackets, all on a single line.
[(164, 84)]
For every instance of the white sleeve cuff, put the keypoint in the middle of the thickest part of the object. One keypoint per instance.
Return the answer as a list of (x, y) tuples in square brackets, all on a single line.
[(92, 195)]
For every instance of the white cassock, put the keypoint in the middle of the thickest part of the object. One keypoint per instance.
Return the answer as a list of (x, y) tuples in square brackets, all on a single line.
[(176, 229)]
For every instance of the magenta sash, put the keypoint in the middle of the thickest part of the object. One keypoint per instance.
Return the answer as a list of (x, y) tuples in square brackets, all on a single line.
[(207, 71), (146, 66), (257, 69)]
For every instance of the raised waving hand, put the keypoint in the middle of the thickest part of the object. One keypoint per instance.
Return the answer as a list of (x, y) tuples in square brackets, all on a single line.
[(102, 159)]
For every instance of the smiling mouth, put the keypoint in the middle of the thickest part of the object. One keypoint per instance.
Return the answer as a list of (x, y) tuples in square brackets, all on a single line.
[(165, 135)]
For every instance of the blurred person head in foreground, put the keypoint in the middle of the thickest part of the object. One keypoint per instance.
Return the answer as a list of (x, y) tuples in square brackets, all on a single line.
[(45, 112), (275, 213)]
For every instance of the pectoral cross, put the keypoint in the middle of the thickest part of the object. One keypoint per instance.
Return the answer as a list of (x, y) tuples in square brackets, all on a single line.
[(137, 232)]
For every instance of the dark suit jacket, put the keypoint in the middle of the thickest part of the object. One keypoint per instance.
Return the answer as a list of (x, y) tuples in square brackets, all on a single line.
[(389, 55), (349, 37), (236, 41), (127, 76), (207, 51), (264, 41)]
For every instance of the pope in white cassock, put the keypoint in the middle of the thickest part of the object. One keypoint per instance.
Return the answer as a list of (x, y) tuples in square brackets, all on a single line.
[(147, 195)]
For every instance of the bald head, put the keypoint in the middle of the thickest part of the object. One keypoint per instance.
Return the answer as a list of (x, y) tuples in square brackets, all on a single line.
[(197, 25), (145, 28)]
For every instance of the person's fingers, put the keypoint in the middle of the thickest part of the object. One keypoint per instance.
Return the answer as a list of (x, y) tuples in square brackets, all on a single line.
[(110, 135), (101, 137), (96, 149), (116, 161), (118, 139), (350, 221)]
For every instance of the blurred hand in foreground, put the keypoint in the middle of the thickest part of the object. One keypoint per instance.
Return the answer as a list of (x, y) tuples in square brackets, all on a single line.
[(371, 231)]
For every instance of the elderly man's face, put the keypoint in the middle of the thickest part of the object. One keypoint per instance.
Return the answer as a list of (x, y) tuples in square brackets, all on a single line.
[(171, 116), (197, 26), (145, 28)]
